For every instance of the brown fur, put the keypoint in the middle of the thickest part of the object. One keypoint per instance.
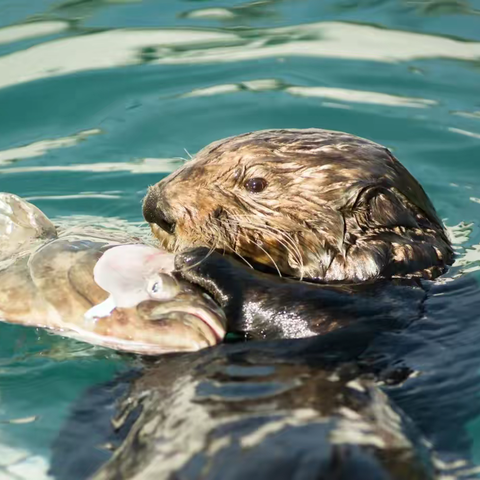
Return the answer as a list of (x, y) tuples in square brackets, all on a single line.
[(336, 208)]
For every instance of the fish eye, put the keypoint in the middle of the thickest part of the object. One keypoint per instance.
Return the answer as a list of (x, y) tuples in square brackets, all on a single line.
[(155, 286), (256, 184), (162, 287)]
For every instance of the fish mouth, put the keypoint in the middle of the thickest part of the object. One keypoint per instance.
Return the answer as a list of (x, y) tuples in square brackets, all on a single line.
[(210, 315), (155, 328), (181, 325)]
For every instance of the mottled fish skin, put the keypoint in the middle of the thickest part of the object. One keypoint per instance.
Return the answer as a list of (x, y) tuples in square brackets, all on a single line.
[(48, 281)]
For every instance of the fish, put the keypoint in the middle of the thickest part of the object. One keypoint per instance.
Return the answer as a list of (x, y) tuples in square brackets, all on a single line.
[(97, 288)]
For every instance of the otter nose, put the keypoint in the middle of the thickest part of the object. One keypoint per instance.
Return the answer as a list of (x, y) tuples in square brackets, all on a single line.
[(155, 211)]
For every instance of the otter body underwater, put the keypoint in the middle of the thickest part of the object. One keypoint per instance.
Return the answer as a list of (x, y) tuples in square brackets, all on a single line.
[(263, 410)]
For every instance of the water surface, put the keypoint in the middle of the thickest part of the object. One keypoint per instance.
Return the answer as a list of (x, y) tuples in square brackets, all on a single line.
[(101, 98)]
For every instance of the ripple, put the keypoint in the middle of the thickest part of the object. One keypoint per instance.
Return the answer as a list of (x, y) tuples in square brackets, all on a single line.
[(342, 94), (470, 260), (264, 84), (25, 31), (40, 148), (99, 51), (460, 233), (146, 165), (475, 114), (125, 47), (360, 96), (78, 196), (211, 13), (18, 464), (333, 40), (464, 132)]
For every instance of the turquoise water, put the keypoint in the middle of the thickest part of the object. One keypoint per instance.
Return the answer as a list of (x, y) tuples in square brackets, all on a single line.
[(101, 98)]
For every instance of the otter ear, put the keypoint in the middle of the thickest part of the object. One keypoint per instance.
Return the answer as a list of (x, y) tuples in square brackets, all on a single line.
[(381, 207), (413, 243)]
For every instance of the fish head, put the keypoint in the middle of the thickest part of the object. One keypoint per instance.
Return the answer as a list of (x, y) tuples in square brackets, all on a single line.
[(149, 309)]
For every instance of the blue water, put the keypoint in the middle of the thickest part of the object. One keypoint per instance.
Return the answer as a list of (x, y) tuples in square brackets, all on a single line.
[(101, 98)]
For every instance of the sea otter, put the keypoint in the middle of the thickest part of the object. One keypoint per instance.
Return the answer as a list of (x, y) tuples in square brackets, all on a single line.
[(327, 207), (316, 205)]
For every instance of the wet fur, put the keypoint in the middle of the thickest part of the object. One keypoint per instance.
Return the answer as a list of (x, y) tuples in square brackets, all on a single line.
[(337, 208)]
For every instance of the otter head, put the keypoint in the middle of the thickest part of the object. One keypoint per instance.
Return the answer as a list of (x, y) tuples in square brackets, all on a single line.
[(314, 204)]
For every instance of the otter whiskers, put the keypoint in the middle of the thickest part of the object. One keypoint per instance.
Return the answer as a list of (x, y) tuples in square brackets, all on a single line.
[(284, 239), (266, 253)]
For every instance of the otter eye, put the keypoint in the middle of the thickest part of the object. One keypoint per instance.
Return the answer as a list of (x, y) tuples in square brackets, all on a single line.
[(255, 184)]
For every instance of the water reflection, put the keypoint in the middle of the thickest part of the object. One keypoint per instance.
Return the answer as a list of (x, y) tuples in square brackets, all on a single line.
[(464, 132), (78, 196), (37, 149), (359, 96), (420, 7), (118, 48), (442, 7), (260, 85), (216, 13), (239, 13), (103, 50), (25, 31), (19, 464), (79, 10), (145, 165), (341, 94), (335, 40), (475, 114)]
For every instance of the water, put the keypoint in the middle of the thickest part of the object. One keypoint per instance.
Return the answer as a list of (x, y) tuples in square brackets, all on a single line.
[(101, 98)]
